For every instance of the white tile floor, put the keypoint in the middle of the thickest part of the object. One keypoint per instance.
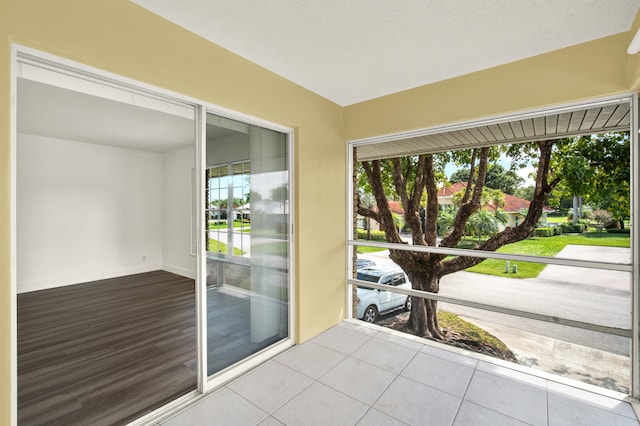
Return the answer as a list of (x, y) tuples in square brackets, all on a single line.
[(355, 375)]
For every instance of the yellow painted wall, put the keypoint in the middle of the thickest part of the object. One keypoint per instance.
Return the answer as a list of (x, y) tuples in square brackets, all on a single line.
[(120, 37), (588, 70), (634, 60)]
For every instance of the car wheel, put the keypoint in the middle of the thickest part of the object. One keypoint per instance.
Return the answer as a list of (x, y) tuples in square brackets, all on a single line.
[(407, 304), (370, 314)]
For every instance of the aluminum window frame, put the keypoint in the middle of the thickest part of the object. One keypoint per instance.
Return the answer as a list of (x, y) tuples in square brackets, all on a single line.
[(632, 268)]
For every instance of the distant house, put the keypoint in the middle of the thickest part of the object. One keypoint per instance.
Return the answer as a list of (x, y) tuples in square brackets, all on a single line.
[(394, 206), (513, 206)]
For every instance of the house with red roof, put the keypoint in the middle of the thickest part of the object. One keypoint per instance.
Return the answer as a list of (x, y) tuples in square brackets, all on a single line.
[(513, 206), (394, 206)]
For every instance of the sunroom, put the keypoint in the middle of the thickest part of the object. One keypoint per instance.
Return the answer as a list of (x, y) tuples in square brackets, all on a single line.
[(250, 210)]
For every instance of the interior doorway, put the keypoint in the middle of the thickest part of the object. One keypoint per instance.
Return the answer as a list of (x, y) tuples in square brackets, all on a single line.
[(106, 265), (122, 192)]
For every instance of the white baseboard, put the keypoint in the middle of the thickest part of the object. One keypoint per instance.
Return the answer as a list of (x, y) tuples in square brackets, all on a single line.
[(25, 287), (179, 270)]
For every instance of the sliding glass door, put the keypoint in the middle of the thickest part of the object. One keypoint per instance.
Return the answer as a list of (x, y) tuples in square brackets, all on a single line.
[(246, 239)]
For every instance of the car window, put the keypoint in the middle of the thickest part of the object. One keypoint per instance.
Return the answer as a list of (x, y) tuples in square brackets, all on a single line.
[(387, 279), (399, 279), (367, 277)]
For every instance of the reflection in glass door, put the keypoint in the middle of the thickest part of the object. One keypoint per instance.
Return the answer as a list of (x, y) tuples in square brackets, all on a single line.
[(247, 223)]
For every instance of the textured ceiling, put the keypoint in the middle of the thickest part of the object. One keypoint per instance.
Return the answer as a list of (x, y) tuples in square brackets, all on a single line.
[(351, 51)]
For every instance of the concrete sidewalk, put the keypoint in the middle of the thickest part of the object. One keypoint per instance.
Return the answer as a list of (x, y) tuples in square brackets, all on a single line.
[(565, 359)]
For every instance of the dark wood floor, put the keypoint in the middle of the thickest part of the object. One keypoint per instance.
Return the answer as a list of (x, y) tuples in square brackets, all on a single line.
[(105, 352)]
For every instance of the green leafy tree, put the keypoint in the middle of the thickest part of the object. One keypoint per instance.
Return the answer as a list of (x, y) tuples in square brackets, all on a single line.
[(610, 159), (493, 197), (601, 217), (482, 223), (526, 193), (367, 201), (498, 178), (597, 169), (410, 178), (445, 221)]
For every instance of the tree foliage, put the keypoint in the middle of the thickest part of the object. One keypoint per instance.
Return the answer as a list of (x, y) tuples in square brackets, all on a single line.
[(596, 167), (484, 223), (414, 179), (498, 178), (602, 217)]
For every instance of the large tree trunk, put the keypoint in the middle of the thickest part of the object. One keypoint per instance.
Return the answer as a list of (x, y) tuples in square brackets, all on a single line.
[(423, 319)]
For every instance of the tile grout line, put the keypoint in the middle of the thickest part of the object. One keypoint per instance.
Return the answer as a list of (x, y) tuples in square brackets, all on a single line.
[(398, 374), (464, 394), (250, 402)]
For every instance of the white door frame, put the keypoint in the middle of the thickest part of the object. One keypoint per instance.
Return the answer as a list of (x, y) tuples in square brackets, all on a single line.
[(65, 73)]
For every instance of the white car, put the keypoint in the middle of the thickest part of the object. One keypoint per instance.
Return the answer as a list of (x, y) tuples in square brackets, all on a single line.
[(373, 302)]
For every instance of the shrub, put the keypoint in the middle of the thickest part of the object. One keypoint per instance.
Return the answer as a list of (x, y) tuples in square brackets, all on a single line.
[(557, 230), (467, 244), (569, 227), (619, 231), (601, 217), (543, 232), (375, 235)]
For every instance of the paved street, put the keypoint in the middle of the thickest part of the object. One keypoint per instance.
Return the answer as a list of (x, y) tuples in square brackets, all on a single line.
[(599, 297)]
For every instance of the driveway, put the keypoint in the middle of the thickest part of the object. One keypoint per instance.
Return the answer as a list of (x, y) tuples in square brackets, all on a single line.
[(581, 294), (585, 276)]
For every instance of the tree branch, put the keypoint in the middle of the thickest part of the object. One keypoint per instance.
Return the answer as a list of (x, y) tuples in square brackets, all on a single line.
[(411, 202), (431, 213), (472, 171), (385, 218), (523, 230), (468, 208)]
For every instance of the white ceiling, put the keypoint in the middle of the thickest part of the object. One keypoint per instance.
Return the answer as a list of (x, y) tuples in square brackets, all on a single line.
[(353, 50), (56, 112)]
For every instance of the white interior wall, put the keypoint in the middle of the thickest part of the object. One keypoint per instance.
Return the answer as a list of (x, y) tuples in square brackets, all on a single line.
[(85, 212), (178, 210)]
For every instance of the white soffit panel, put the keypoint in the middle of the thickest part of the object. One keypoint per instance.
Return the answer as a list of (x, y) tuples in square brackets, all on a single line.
[(600, 117), (352, 51)]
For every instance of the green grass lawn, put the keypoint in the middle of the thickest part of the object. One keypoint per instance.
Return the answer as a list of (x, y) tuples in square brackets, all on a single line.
[(363, 249), (545, 246), (217, 224), (220, 247), (452, 323), (557, 219)]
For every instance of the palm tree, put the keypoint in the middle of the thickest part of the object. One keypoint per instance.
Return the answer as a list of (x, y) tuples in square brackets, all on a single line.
[(367, 201), (445, 221), (482, 223)]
